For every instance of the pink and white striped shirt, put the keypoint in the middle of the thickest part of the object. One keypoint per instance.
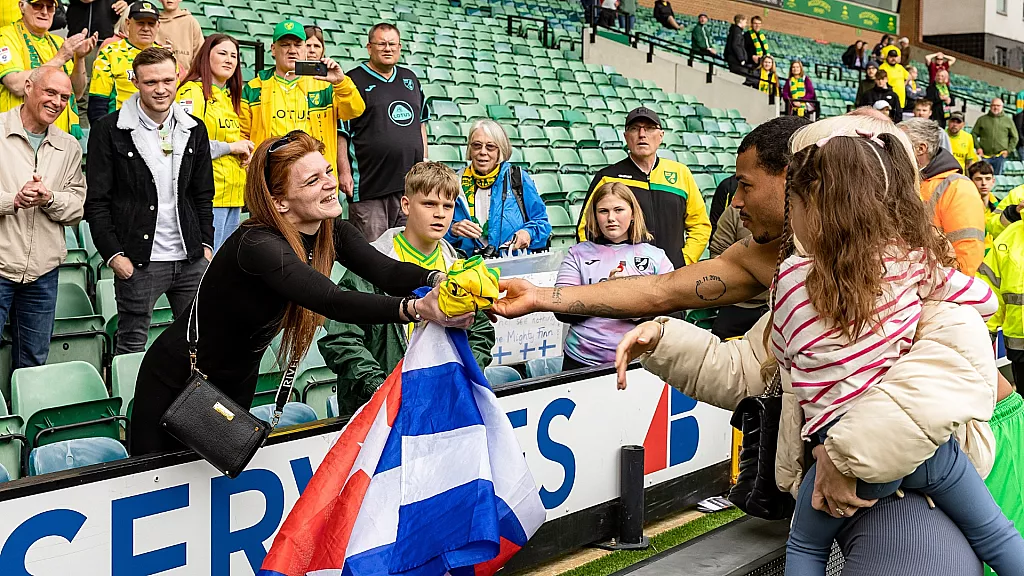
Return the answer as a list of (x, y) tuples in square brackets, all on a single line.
[(829, 372)]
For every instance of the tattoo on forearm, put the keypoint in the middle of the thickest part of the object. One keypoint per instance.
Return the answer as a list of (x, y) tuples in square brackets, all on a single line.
[(600, 310), (556, 295), (710, 288)]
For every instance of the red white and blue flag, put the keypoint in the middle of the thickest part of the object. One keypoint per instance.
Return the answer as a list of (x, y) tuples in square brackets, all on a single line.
[(426, 479)]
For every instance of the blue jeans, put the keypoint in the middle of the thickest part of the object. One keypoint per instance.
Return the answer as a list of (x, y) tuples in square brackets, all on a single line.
[(997, 163), (31, 308), (137, 296), (225, 221), (955, 487), (627, 21)]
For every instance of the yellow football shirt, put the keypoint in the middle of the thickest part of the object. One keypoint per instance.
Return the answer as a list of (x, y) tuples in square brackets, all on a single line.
[(9, 12), (222, 124), (963, 149), (112, 73), (21, 51)]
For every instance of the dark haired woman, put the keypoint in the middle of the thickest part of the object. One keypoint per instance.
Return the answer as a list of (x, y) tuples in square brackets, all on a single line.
[(212, 92), (272, 275)]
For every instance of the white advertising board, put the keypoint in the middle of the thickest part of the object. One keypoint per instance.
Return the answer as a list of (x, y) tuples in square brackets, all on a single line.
[(188, 520), (537, 335)]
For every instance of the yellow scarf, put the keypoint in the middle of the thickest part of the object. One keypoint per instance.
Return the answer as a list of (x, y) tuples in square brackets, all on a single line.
[(769, 82), (797, 91), (471, 182)]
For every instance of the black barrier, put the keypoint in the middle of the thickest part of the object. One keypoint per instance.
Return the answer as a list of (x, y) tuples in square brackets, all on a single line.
[(631, 497), (542, 34), (258, 49)]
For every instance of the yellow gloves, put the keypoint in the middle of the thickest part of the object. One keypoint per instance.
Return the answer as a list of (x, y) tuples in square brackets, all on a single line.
[(470, 286)]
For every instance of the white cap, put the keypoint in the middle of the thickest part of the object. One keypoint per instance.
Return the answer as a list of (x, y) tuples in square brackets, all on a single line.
[(882, 105)]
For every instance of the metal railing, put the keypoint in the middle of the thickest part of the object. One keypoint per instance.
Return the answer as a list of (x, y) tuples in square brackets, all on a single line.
[(258, 49), (542, 34)]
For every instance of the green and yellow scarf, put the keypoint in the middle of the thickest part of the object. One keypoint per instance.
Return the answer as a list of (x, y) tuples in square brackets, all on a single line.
[(797, 91), (471, 182)]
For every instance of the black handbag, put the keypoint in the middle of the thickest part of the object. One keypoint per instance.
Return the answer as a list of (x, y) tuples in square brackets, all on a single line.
[(212, 424), (755, 491)]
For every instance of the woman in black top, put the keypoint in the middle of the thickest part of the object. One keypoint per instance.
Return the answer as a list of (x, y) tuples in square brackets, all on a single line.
[(257, 286)]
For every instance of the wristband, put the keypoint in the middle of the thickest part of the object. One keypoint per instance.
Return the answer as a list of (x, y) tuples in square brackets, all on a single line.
[(415, 313)]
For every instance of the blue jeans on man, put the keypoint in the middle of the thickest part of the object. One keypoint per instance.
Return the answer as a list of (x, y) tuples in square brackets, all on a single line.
[(997, 162), (31, 307), (137, 296), (225, 222)]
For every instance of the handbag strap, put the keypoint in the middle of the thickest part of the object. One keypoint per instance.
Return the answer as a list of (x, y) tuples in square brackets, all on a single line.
[(284, 389), (775, 387)]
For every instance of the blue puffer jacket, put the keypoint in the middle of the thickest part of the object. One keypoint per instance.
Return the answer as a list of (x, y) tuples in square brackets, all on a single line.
[(504, 218)]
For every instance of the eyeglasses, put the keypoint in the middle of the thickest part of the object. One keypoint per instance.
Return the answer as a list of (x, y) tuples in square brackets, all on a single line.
[(477, 146), (44, 6), (645, 127), (383, 45), (280, 143)]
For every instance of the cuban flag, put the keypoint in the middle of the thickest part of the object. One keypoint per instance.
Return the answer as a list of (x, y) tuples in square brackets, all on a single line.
[(426, 479)]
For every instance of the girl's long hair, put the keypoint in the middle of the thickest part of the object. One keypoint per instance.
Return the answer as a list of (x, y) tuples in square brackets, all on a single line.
[(202, 72), (298, 324), (863, 204), (638, 232)]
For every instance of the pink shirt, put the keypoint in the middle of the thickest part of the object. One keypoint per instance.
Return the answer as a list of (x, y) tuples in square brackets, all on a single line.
[(829, 372)]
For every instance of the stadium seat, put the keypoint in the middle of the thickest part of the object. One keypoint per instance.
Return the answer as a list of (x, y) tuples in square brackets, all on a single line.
[(332, 407), (538, 367), (569, 161), (706, 182), (4, 476), (448, 155), (559, 137), (12, 441), (124, 370), (293, 413), (70, 454), (540, 160), (64, 402), (501, 375)]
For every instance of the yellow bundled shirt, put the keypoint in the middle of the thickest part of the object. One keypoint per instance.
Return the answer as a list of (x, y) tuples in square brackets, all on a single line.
[(470, 286), (112, 73), (20, 50), (273, 107), (223, 125)]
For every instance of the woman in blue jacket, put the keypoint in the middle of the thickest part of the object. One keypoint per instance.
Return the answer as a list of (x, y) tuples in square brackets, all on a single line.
[(499, 205)]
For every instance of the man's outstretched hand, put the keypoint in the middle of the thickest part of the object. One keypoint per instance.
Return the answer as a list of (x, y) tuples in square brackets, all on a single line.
[(520, 298)]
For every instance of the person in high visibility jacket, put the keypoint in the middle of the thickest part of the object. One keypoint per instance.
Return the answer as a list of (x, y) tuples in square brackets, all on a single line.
[(278, 101), (985, 179), (954, 199), (1003, 270), (1006, 212)]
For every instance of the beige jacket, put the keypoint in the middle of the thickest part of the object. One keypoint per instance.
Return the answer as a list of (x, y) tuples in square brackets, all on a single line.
[(183, 35), (32, 240), (946, 384)]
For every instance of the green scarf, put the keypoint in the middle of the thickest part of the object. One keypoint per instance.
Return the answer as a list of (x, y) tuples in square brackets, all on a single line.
[(471, 182), (36, 61), (943, 90), (797, 91), (760, 42)]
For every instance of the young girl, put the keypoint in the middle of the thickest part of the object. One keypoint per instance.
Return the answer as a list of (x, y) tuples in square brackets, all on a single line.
[(845, 308), (616, 247)]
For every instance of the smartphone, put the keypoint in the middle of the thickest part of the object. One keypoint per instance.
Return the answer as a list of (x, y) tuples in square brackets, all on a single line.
[(310, 68)]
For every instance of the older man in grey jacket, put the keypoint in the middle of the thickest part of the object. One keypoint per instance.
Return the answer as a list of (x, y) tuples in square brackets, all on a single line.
[(42, 189)]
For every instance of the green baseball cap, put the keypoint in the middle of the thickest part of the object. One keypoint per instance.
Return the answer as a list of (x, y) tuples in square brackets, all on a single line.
[(289, 28)]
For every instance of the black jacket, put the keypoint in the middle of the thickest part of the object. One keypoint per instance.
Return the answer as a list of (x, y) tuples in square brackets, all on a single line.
[(735, 53), (850, 58), (875, 94), (662, 11), (937, 111), (121, 204), (723, 197), (96, 16)]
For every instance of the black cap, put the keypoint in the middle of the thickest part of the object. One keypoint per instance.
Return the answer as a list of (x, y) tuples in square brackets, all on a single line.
[(142, 10), (958, 116), (643, 113)]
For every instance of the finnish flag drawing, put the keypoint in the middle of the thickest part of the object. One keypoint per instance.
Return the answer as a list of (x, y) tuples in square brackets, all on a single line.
[(426, 479)]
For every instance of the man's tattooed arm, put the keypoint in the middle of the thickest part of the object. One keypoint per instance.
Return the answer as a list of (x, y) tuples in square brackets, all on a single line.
[(710, 288)]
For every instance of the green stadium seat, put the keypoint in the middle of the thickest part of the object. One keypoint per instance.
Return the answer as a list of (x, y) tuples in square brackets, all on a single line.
[(213, 11), (720, 176), (703, 111), (527, 115), (500, 113), (559, 137), (594, 159), (318, 384), (560, 221), (449, 155), (510, 97), (444, 132), (439, 76), (533, 135), (694, 124), (485, 96), (124, 369), (706, 182), (609, 137), (433, 92), (444, 109), (569, 160), (72, 301), (726, 159), (64, 402), (540, 160), (709, 143), (585, 137), (12, 441), (548, 187), (615, 156), (667, 154), (706, 162), (688, 159)]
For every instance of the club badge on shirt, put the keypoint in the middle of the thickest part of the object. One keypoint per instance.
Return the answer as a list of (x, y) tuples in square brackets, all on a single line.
[(5, 55), (186, 105), (642, 263)]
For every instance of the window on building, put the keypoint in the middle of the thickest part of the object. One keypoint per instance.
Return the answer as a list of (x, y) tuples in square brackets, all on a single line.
[(1001, 7), (1002, 56)]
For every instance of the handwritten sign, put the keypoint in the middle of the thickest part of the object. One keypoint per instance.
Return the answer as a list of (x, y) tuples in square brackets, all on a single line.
[(537, 335)]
